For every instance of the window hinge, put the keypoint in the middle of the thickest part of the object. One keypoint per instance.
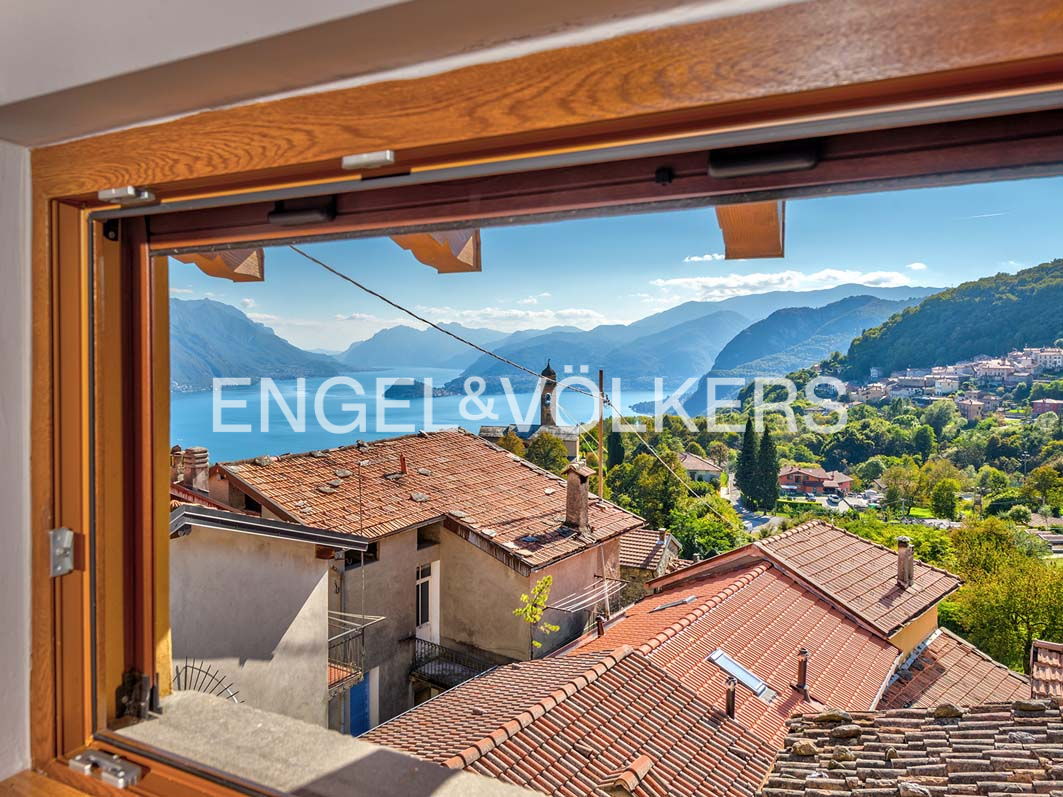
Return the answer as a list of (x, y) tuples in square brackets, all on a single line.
[(61, 551), (368, 160), (138, 696), (111, 769), (128, 196)]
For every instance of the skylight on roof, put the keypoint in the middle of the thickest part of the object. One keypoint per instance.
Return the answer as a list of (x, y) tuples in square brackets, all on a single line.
[(679, 602), (741, 674)]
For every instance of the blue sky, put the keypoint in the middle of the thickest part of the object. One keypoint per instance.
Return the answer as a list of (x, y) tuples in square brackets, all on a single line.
[(591, 271)]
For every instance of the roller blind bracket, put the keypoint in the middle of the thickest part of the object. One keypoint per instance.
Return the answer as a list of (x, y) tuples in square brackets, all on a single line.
[(368, 160), (128, 196)]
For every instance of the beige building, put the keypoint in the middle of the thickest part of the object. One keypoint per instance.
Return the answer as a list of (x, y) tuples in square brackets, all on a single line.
[(458, 530)]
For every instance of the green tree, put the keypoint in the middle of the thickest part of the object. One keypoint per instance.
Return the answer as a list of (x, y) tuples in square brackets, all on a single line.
[(990, 480), (1019, 601), (746, 468), (940, 415), (902, 486), (767, 472), (512, 443), (1043, 481), (924, 441), (706, 526), (943, 498), (645, 486), (719, 453), (548, 452), (693, 447), (532, 607), (614, 449)]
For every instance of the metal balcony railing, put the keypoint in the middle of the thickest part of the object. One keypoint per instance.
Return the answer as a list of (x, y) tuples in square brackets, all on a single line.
[(444, 667), (346, 649)]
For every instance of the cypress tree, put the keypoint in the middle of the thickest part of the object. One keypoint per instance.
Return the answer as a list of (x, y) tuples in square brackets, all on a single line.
[(614, 449), (746, 468), (767, 473)]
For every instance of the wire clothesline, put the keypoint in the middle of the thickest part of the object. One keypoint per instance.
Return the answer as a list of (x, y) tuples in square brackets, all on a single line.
[(604, 397)]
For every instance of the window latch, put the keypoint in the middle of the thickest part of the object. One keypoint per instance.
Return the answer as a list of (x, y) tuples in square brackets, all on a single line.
[(111, 769), (61, 551)]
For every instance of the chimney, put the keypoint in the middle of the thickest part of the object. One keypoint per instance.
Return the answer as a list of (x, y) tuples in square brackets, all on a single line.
[(402, 464), (732, 684), (905, 562), (576, 503), (802, 671), (177, 464), (661, 534), (196, 461), (599, 624)]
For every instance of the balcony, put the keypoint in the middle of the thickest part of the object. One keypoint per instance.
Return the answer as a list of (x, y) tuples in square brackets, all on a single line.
[(443, 667), (346, 649)]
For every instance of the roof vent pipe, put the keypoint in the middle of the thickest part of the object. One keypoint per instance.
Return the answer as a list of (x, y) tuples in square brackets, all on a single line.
[(905, 562), (402, 464), (732, 685), (599, 624), (802, 671)]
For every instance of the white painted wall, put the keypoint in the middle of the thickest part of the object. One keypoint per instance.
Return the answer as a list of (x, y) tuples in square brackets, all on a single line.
[(14, 464)]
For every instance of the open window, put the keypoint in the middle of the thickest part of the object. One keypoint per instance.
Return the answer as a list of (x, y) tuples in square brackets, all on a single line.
[(212, 617)]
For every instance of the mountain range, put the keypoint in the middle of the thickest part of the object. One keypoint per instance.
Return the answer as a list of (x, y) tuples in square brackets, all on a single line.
[(795, 337), (210, 339), (770, 332), (987, 316)]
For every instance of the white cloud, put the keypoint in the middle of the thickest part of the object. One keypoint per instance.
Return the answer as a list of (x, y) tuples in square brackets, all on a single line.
[(356, 317), (508, 319), (534, 298), (181, 291), (703, 258), (917, 266), (728, 285), (247, 304)]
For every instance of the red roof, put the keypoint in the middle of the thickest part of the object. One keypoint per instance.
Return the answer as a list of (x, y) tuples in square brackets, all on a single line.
[(759, 616), (1046, 671), (620, 721), (694, 462), (642, 548), (948, 669), (505, 499), (858, 574), (832, 476)]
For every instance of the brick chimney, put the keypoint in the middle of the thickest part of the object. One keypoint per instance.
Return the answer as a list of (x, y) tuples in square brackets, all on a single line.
[(905, 562), (576, 501), (196, 461), (732, 685), (802, 671)]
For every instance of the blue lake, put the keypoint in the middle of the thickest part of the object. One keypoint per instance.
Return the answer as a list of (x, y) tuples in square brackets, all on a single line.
[(192, 421)]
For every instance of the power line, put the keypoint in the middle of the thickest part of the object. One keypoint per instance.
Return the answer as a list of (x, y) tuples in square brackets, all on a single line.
[(605, 400)]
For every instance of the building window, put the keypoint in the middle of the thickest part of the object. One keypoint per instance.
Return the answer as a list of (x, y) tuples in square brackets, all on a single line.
[(424, 577), (354, 559)]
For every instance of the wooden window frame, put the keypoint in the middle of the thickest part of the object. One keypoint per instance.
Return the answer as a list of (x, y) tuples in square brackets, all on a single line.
[(817, 66)]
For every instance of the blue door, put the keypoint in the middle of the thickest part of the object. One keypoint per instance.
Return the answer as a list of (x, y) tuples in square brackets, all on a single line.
[(359, 707)]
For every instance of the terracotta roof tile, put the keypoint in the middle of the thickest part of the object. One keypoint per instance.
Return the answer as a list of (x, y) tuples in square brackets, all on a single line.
[(948, 669), (858, 574), (504, 498), (694, 462), (759, 616), (641, 548), (598, 735), (1046, 671), (994, 749)]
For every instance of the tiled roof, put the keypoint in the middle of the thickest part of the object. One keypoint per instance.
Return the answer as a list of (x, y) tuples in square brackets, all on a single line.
[(179, 494), (694, 462), (619, 725), (1046, 670), (500, 496), (816, 473), (859, 574), (948, 669), (641, 548), (761, 617), (460, 717), (994, 750)]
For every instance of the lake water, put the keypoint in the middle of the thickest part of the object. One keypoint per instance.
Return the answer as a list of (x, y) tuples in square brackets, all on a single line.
[(192, 414)]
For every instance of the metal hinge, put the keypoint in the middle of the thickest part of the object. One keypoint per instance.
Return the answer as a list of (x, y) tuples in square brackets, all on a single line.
[(128, 196), (137, 697), (111, 769), (368, 160), (61, 551)]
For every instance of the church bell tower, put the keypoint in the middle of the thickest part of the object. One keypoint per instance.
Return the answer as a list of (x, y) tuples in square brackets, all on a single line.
[(546, 399)]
